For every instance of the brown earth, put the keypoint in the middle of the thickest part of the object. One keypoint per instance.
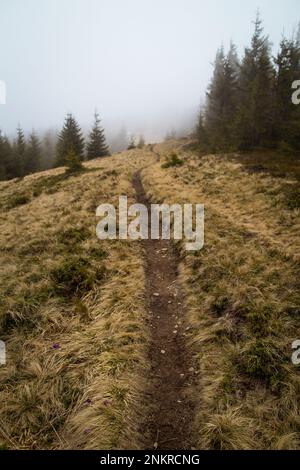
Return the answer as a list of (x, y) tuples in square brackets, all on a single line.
[(170, 416)]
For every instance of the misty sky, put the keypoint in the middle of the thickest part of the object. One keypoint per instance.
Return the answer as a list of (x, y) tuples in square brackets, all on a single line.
[(144, 63)]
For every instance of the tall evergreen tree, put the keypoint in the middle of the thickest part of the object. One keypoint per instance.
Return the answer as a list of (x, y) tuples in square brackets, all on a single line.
[(141, 142), (250, 105), (131, 144), (71, 140), (200, 131), (257, 93), (288, 115), (19, 153), (72, 161), (222, 100), (230, 100), (33, 154), (8, 158), (3, 158), (214, 102), (233, 60), (96, 146), (48, 149)]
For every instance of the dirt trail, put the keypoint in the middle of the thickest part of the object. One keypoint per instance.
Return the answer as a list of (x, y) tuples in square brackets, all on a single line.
[(168, 424)]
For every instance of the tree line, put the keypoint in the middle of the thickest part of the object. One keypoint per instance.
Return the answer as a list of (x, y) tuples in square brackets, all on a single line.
[(25, 156), (249, 101)]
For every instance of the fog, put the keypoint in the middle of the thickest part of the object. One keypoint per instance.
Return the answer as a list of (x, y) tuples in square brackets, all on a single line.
[(144, 64)]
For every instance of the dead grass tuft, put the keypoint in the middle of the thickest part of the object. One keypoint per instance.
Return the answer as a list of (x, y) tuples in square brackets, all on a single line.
[(72, 312), (242, 295)]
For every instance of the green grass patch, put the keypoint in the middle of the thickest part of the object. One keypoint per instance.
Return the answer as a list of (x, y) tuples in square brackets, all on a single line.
[(292, 197), (17, 200), (172, 160), (76, 276), (74, 235), (263, 359), (98, 253), (23, 312)]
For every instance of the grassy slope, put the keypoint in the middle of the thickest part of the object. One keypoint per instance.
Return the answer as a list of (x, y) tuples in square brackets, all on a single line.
[(71, 312), (242, 293)]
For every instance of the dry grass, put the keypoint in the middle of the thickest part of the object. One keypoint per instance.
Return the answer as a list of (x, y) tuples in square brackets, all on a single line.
[(72, 312), (242, 295)]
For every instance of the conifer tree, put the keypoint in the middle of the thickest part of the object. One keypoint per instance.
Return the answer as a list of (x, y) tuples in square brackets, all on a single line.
[(201, 133), (250, 105), (131, 144), (256, 112), (69, 139), (8, 158), (48, 149), (33, 154), (141, 142), (222, 100), (97, 146), (214, 114), (288, 115), (230, 99), (72, 161), (4, 158), (19, 153)]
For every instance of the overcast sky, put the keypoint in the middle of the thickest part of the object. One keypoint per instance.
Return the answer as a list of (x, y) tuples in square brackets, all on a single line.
[(145, 63)]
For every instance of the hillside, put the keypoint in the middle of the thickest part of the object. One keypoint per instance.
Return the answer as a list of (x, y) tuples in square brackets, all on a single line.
[(119, 344)]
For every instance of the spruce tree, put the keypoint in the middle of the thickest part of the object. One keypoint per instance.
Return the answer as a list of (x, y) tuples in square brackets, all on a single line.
[(33, 154), (256, 114), (19, 153), (214, 104), (3, 159), (70, 139), (230, 96), (8, 158), (72, 161), (288, 115), (97, 146), (131, 144), (222, 100), (48, 149), (250, 105), (141, 142), (201, 133)]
